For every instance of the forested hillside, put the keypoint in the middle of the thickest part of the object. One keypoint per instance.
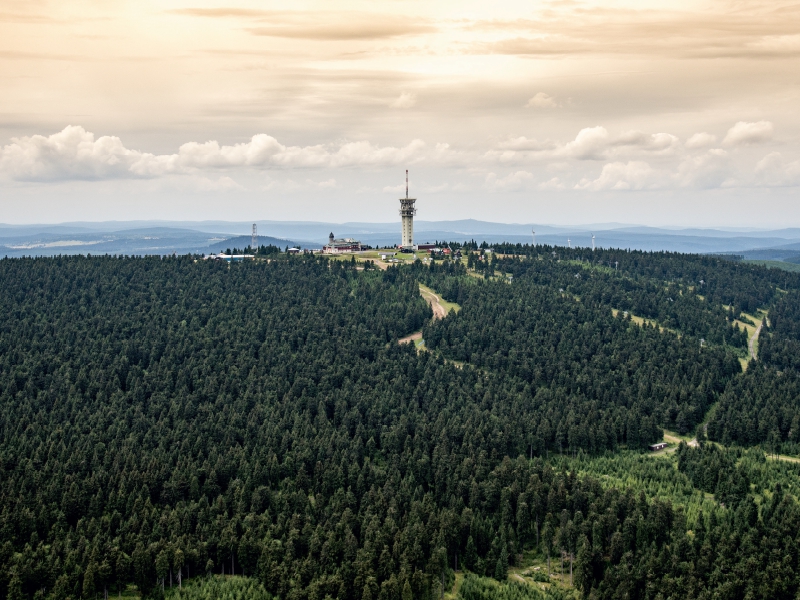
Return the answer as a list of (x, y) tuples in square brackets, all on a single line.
[(170, 418), (763, 406)]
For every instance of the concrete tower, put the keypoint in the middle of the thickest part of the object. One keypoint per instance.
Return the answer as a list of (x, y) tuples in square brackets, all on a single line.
[(407, 212)]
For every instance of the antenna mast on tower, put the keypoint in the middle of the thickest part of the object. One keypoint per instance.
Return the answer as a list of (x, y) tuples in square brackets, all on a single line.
[(407, 212)]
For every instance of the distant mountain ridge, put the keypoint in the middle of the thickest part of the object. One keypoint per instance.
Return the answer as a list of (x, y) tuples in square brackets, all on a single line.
[(167, 237), (135, 241)]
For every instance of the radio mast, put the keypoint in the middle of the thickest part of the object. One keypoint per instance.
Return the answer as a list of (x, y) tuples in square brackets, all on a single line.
[(407, 212)]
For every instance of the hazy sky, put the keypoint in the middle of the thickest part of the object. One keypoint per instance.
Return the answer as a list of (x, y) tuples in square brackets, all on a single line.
[(662, 113)]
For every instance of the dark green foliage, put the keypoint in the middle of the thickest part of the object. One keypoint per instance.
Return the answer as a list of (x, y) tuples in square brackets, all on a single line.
[(218, 588), (479, 588), (713, 470), (165, 417), (780, 344), (760, 407), (594, 380), (763, 405)]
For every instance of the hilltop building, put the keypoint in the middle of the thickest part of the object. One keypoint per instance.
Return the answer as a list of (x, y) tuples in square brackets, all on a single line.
[(337, 246), (407, 212)]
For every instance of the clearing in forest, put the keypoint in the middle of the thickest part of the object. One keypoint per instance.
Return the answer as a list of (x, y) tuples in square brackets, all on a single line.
[(440, 306), (440, 310)]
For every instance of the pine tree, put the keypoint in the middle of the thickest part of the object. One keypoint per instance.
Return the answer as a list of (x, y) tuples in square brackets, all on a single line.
[(407, 591)]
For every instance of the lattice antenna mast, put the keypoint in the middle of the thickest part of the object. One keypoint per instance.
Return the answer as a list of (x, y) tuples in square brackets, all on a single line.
[(254, 240), (406, 184)]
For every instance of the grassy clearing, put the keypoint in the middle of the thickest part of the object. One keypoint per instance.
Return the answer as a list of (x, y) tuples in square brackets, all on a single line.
[(219, 587), (448, 306), (591, 266), (752, 331), (453, 593), (534, 569), (641, 321), (656, 474), (792, 459), (413, 337)]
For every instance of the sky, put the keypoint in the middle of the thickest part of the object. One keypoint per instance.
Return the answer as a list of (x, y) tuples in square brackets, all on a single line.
[(658, 113)]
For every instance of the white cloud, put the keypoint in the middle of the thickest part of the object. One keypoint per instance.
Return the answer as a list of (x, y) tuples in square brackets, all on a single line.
[(660, 143), (773, 170), (523, 143), (595, 143), (74, 153), (553, 184), (541, 100), (590, 143), (706, 170), (406, 100), (633, 175), (510, 183), (748, 133), (778, 44), (221, 184), (327, 184), (701, 140)]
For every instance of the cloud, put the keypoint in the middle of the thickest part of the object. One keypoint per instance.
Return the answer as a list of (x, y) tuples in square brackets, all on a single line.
[(633, 175), (701, 140), (773, 170), (221, 184), (541, 100), (553, 184), (590, 143), (523, 143), (316, 25), (510, 183), (75, 154), (222, 12), (748, 133), (345, 27), (406, 100), (707, 170), (72, 153), (754, 30), (660, 143)]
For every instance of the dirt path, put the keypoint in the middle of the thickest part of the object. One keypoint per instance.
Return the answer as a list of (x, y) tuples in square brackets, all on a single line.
[(782, 457), (438, 310), (410, 338), (753, 339)]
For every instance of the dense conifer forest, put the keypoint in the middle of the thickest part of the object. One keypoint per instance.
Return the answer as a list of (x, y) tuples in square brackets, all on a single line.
[(168, 421)]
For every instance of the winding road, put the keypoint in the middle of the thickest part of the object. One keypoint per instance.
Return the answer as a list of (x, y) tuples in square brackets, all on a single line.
[(751, 343), (430, 296)]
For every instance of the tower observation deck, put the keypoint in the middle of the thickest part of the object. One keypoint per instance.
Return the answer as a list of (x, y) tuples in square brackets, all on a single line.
[(407, 212)]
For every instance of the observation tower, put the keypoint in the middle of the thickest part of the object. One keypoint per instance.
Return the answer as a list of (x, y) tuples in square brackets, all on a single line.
[(407, 212)]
